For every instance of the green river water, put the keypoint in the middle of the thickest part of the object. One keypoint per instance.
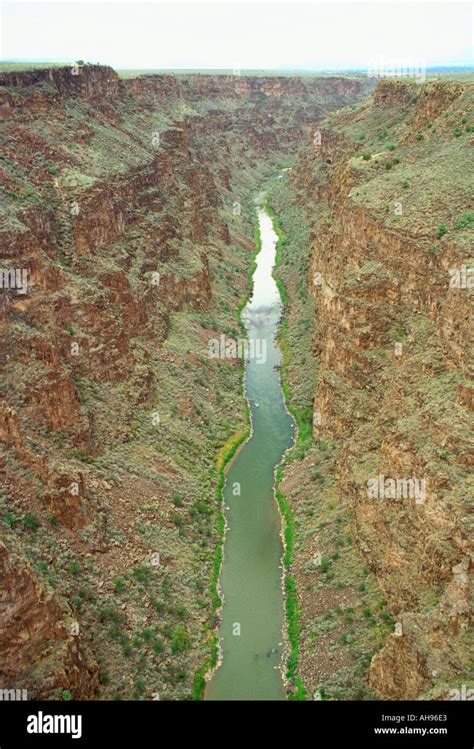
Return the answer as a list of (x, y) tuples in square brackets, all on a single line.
[(251, 576)]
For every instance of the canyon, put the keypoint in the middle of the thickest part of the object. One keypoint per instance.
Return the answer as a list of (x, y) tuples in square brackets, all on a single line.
[(129, 202)]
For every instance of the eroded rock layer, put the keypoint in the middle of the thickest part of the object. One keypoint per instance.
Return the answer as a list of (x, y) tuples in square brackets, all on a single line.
[(126, 212), (384, 193)]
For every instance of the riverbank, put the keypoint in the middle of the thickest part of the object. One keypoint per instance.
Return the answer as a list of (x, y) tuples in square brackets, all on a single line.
[(226, 453), (295, 686), (336, 617)]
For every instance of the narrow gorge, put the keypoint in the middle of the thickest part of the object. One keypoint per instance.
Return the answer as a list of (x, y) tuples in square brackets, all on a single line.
[(128, 211)]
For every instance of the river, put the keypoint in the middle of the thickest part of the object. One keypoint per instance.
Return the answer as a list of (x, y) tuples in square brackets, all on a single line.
[(251, 577)]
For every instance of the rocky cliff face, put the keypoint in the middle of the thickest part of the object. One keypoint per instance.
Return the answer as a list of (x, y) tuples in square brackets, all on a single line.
[(390, 217), (126, 239), (126, 214)]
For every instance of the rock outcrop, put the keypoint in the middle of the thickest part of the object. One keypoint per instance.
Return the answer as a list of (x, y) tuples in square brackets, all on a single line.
[(391, 227), (127, 206)]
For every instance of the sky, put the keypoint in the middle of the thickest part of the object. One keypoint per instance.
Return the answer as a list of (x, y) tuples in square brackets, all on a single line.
[(229, 35)]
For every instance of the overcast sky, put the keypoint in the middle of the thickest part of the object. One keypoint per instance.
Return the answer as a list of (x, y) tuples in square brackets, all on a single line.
[(265, 35)]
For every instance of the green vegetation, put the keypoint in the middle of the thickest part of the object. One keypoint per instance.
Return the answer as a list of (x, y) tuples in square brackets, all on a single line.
[(430, 164), (31, 521), (180, 640), (250, 271), (465, 220), (302, 416)]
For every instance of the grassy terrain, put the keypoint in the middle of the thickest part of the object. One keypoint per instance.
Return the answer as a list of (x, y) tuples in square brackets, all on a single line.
[(401, 156)]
